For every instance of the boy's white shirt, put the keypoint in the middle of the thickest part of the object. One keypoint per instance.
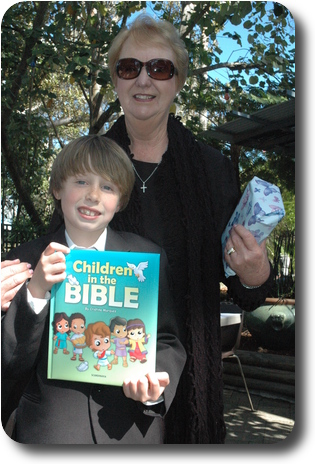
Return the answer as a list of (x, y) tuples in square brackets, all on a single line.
[(38, 304)]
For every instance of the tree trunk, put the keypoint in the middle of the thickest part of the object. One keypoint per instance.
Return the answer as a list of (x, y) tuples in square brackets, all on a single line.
[(235, 157), (11, 162), (21, 189)]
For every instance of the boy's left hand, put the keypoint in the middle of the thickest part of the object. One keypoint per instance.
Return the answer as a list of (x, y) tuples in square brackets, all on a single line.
[(147, 388)]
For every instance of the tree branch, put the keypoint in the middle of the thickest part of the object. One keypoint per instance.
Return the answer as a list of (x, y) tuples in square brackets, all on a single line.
[(113, 108), (15, 174), (29, 44), (237, 66), (10, 158), (52, 123), (196, 20)]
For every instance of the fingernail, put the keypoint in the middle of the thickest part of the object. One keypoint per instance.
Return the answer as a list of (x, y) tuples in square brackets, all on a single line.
[(29, 265)]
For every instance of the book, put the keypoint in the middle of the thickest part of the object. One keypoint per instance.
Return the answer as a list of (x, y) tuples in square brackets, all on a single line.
[(260, 209), (103, 317)]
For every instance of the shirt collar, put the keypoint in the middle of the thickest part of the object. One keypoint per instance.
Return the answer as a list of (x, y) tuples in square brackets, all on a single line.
[(99, 245)]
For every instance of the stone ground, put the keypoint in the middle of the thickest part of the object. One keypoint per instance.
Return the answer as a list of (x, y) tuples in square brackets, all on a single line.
[(272, 421)]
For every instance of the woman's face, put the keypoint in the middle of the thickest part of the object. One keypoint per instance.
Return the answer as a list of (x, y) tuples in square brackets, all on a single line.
[(144, 98)]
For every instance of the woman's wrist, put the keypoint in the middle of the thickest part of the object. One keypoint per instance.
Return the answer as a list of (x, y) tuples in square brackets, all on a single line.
[(250, 287)]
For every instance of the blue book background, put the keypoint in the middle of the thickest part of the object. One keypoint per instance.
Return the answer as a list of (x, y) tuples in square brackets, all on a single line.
[(102, 286)]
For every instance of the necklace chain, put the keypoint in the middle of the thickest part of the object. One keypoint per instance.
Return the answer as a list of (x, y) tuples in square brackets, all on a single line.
[(143, 188)]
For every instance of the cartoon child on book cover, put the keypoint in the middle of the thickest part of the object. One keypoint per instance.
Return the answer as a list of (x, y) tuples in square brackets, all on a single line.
[(98, 339), (61, 327), (137, 339), (77, 327), (118, 328)]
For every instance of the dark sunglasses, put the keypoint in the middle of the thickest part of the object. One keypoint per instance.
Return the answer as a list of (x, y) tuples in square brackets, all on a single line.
[(159, 69)]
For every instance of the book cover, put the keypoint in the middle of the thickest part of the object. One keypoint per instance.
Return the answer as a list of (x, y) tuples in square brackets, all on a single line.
[(260, 209), (103, 317)]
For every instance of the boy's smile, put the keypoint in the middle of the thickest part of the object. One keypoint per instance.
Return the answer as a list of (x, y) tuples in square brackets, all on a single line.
[(88, 212)]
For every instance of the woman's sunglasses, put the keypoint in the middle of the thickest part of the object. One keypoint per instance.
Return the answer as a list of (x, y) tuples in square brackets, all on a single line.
[(159, 69)]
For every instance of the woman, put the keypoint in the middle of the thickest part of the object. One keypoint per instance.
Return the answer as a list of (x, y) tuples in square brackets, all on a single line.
[(184, 194)]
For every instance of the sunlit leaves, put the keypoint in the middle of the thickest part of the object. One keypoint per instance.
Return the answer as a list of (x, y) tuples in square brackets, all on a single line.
[(65, 89)]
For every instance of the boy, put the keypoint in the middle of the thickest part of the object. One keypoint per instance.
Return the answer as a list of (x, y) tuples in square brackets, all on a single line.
[(91, 180)]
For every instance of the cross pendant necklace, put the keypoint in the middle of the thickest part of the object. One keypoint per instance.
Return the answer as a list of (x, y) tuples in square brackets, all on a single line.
[(144, 187)]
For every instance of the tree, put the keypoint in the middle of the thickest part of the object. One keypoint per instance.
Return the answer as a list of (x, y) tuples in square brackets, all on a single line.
[(56, 84)]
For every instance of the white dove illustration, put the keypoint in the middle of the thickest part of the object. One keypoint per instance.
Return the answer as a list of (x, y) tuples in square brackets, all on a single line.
[(72, 280), (138, 270)]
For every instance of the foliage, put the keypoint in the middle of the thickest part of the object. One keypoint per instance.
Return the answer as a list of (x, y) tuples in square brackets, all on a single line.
[(56, 84)]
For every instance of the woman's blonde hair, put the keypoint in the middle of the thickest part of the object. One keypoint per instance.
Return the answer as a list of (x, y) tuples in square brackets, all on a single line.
[(146, 30), (99, 155)]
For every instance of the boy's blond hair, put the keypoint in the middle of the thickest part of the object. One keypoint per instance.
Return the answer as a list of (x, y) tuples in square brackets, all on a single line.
[(97, 154)]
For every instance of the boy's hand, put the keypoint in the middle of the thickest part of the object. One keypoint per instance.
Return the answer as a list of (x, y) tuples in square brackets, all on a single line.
[(147, 388), (50, 270)]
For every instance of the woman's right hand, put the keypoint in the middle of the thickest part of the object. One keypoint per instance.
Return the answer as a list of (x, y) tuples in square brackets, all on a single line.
[(13, 275)]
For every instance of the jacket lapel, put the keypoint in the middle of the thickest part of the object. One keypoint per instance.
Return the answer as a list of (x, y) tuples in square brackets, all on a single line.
[(59, 236), (116, 242)]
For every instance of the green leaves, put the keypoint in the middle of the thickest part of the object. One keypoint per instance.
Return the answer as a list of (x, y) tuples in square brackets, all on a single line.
[(69, 91), (253, 80)]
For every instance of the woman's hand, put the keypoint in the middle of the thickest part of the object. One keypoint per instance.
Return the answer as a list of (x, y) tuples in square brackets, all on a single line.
[(13, 275), (147, 388), (249, 260), (50, 270)]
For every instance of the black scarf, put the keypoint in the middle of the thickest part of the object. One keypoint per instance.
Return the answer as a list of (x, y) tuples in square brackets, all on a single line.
[(196, 415)]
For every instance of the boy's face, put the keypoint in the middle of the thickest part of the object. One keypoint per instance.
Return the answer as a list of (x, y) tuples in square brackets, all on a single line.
[(89, 203), (77, 326)]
